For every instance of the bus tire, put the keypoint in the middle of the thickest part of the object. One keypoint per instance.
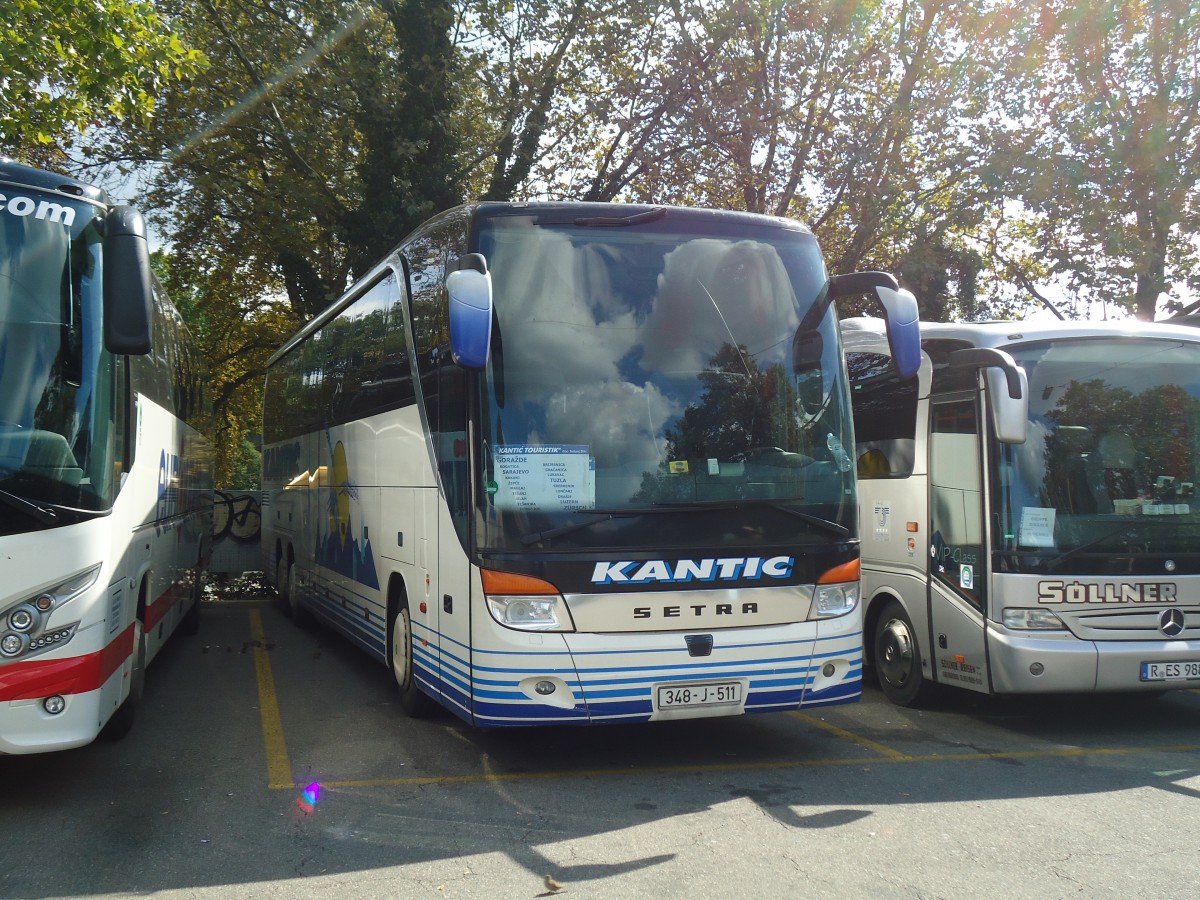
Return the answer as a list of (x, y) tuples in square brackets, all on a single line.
[(415, 702), (288, 593), (898, 658), (121, 721)]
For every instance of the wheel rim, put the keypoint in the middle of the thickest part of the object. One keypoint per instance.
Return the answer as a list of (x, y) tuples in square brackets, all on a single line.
[(896, 656), (402, 649)]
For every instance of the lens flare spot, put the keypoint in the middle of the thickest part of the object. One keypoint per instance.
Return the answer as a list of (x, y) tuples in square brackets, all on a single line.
[(307, 801)]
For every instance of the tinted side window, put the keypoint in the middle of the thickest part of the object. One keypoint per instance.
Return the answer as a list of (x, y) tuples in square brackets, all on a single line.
[(357, 365), (885, 416), (364, 363)]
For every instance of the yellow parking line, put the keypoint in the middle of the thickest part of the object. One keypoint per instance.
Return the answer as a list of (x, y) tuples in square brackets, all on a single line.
[(279, 770), (484, 777), (881, 749)]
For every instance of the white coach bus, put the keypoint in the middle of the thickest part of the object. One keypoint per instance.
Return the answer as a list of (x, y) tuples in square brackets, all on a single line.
[(1031, 522), (105, 491), (579, 463)]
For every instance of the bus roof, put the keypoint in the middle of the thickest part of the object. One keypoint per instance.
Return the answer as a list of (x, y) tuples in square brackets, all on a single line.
[(616, 214), (1004, 334), (15, 173), (549, 212)]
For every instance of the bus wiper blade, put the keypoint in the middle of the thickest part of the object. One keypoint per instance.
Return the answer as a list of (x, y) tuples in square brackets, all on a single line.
[(535, 537), (824, 524), (828, 525), (43, 514), (650, 215), (1054, 563)]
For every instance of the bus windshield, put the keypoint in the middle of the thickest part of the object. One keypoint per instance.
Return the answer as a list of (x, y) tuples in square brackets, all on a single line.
[(1105, 481), (648, 385), (56, 397)]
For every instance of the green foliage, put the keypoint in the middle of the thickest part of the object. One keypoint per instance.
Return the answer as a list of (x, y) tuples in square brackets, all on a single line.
[(67, 66), (236, 333), (1106, 159), (980, 150), (246, 470)]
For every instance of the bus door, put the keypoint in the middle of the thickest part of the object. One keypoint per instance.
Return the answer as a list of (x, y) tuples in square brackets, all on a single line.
[(452, 578), (957, 571)]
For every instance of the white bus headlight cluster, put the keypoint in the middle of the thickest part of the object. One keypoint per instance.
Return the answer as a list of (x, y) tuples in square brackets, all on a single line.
[(525, 603), (835, 599), (1032, 620), (22, 626), (837, 591)]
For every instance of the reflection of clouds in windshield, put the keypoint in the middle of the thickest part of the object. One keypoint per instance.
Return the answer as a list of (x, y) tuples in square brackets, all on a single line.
[(621, 424), (569, 318), (715, 292)]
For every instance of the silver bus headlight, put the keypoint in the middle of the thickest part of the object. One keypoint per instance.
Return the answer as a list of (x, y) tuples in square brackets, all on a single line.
[(1032, 620)]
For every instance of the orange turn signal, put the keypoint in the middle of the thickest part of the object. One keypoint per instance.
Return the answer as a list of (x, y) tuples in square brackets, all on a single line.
[(512, 583), (845, 572)]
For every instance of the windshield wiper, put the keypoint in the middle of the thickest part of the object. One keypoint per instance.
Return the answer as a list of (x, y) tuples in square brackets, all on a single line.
[(825, 524), (43, 514), (1054, 563), (649, 215), (535, 537), (670, 508)]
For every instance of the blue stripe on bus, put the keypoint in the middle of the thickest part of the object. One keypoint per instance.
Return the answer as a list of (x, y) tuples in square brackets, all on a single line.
[(608, 693)]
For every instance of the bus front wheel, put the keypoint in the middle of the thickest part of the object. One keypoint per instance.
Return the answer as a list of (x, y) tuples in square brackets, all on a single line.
[(898, 658), (413, 700)]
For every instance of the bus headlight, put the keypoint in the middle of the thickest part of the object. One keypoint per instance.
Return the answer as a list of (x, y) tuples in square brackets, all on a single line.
[(837, 591), (525, 603), (25, 622), (530, 613), (13, 644), (22, 619), (1032, 620), (835, 599)]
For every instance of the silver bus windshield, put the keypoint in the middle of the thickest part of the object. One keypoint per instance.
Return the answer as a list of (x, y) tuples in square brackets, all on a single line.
[(647, 386), (56, 383), (1105, 481)]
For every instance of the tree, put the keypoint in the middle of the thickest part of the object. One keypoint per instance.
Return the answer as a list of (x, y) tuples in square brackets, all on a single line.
[(862, 119), (69, 65), (236, 339), (1105, 154)]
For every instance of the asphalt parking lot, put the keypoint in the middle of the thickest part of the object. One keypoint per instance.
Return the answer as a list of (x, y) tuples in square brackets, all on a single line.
[(271, 759)]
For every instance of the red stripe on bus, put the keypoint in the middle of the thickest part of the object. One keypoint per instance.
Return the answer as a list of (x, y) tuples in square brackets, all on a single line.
[(77, 675), (157, 611)]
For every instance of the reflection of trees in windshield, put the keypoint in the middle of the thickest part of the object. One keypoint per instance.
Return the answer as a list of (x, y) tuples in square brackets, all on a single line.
[(743, 422), (1113, 444), (741, 409)]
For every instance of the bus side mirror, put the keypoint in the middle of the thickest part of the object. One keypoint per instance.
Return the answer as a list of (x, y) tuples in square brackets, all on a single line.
[(127, 292), (1007, 390), (900, 313), (469, 288), (903, 328)]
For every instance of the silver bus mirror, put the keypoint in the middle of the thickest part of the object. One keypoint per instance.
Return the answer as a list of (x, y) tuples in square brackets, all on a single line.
[(1008, 389)]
